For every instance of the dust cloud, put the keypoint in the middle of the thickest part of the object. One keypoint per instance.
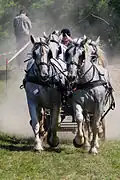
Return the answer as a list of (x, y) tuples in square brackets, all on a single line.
[(113, 117), (14, 115)]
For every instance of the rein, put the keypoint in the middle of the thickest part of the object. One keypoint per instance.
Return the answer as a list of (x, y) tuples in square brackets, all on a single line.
[(54, 65), (52, 40)]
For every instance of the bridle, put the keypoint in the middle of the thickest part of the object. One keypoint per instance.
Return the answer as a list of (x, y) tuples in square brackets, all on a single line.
[(42, 52), (79, 66), (52, 39)]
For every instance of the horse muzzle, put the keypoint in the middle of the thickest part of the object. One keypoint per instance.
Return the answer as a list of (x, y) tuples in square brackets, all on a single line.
[(44, 77), (71, 78)]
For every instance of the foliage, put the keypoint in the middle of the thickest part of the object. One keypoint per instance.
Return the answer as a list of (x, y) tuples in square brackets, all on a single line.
[(76, 14)]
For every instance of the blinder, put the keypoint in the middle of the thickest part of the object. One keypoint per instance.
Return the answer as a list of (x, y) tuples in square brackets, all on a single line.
[(82, 56), (67, 52), (74, 51), (36, 45), (59, 51), (50, 55)]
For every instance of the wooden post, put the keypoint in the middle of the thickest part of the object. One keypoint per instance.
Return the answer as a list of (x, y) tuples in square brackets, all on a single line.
[(6, 72)]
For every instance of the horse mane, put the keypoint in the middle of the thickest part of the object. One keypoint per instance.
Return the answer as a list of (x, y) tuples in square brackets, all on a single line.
[(102, 61), (101, 56)]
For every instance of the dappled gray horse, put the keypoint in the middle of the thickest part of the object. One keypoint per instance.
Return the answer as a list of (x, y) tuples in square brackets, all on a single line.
[(95, 54), (39, 82), (58, 64), (89, 97)]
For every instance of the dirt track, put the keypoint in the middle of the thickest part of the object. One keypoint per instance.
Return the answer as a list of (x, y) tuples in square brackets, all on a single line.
[(113, 117), (14, 117)]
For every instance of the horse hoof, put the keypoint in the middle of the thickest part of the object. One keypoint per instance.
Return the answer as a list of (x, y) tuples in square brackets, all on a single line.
[(76, 144), (93, 151), (87, 147), (53, 142), (38, 148), (101, 136), (97, 145)]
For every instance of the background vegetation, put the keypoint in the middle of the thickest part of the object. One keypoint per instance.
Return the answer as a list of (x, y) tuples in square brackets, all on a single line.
[(17, 160), (75, 14)]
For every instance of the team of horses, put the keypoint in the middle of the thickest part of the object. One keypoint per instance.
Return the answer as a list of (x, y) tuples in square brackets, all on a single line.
[(76, 73)]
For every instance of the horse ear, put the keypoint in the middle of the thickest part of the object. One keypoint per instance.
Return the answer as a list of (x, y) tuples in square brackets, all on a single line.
[(54, 32), (84, 40), (32, 39), (97, 41), (84, 37), (45, 35), (40, 39), (58, 32)]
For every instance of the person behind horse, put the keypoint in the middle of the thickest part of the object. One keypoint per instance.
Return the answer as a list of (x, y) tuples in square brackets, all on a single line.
[(65, 40), (22, 27)]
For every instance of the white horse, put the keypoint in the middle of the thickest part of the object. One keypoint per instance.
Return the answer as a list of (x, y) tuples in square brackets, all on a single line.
[(90, 94), (41, 90)]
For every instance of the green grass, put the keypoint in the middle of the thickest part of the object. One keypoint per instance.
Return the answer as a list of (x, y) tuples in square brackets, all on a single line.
[(19, 162)]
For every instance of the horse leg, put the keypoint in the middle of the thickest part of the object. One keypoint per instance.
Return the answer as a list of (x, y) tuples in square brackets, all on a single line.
[(35, 124), (86, 135), (53, 140), (86, 130), (94, 142), (79, 139), (42, 129), (42, 118)]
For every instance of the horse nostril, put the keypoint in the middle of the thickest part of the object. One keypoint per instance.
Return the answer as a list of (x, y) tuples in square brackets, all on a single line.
[(71, 78), (45, 74)]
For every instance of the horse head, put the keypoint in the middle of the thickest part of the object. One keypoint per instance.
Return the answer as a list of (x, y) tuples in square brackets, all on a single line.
[(41, 53), (53, 40), (75, 56), (94, 52)]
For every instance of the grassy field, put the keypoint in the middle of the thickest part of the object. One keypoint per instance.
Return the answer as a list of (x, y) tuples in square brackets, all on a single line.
[(19, 162)]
